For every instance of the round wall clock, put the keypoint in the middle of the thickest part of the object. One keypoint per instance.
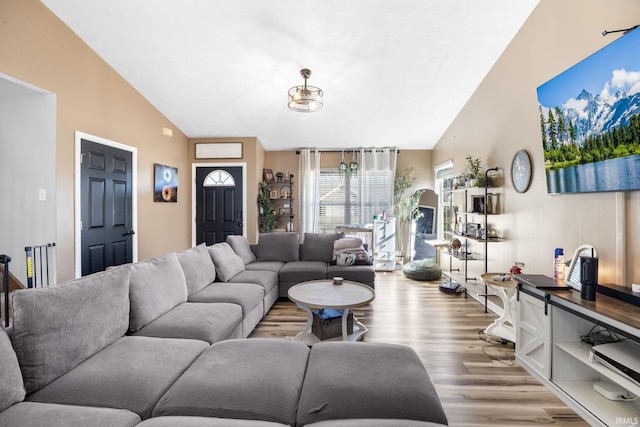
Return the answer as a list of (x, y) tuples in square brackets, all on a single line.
[(521, 171)]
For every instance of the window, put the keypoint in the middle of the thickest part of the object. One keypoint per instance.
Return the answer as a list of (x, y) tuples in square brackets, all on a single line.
[(219, 178), (446, 215), (352, 199)]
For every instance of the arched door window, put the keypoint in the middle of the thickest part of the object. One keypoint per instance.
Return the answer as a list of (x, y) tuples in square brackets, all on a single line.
[(219, 178)]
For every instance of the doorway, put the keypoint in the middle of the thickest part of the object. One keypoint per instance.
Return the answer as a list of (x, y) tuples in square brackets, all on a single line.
[(106, 208), (218, 202)]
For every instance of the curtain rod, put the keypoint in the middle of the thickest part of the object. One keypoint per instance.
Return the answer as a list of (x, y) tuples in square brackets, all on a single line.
[(333, 150)]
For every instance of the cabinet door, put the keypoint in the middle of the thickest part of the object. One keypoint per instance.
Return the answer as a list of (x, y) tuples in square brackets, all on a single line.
[(533, 336)]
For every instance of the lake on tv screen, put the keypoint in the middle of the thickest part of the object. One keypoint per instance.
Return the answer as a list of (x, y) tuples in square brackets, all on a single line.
[(618, 174)]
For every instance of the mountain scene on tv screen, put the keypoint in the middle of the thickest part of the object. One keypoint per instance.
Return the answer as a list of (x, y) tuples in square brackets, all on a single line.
[(590, 122)]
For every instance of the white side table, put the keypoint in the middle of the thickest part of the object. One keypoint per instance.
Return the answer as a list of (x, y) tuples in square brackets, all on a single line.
[(504, 326)]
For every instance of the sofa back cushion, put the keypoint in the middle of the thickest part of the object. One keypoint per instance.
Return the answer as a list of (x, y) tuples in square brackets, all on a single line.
[(198, 268), (157, 285), (278, 246), (11, 384), (56, 328), (319, 247), (228, 263), (242, 248)]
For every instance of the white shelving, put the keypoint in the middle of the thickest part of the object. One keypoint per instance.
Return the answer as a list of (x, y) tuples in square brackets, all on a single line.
[(384, 244), (556, 355)]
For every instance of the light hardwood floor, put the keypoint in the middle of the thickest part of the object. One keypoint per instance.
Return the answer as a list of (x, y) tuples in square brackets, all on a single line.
[(478, 382)]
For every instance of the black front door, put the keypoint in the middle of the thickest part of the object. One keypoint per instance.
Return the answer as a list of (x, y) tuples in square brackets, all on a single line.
[(106, 207), (219, 200)]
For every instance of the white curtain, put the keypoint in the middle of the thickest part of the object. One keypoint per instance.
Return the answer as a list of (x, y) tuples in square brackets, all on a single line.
[(309, 191), (376, 174)]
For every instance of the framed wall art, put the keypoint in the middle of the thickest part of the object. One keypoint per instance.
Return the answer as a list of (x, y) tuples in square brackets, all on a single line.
[(165, 187), (219, 150)]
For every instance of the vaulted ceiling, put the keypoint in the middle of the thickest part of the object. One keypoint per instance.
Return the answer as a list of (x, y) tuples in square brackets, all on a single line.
[(395, 72)]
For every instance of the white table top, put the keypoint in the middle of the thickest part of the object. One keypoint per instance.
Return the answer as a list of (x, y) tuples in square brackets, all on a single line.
[(324, 294)]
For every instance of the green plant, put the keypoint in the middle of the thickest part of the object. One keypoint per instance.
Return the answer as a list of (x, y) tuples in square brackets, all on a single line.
[(405, 209), (267, 219), (484, 181), (472, 168)]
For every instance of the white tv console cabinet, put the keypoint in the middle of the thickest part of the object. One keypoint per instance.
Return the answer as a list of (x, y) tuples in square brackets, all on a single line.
[(549, 327)]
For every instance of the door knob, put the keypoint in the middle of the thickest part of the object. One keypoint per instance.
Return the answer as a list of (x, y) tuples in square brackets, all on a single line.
[(129, 233)]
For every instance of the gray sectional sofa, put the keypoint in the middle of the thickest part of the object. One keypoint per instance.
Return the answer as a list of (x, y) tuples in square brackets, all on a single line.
[(160, 343)]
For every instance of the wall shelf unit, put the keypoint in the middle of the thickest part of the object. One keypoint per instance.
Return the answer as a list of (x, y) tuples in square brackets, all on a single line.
[(282, 201), (470, 227)]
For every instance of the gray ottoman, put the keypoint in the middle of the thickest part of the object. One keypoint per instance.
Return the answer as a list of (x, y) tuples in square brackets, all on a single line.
[(248, 379), (423, 270), (367, 380)]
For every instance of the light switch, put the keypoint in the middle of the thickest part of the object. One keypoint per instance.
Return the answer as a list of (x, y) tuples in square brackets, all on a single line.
[(42, 194)]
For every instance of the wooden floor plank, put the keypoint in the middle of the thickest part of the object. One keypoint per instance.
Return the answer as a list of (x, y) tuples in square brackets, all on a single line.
[(479, 382)]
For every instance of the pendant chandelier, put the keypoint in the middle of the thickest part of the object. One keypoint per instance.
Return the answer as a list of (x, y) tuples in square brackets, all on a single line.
[(343, 167), (305, 99), (353, 166)]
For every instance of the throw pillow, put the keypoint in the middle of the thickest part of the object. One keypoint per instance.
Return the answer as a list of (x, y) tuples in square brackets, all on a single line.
[(242, 248), (279, 246), (346, 259), (228, 263), (199, 270), (319, 247)]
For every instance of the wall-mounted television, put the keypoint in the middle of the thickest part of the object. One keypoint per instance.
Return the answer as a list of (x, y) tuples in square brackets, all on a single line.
[(590, 121)]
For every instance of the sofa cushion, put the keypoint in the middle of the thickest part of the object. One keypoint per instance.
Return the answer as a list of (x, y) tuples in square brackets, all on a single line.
[(357, 273), (206, 322), (278, 246), (228, 263), (11, 384), (132, 373), (55, 328), (157, 285), (319, 247), (398, 370), (274, 266), (198, 268), (242, 248), (267, 279), (301, 271), (246, 295), (205, 422), (52, 415), (255, 379)]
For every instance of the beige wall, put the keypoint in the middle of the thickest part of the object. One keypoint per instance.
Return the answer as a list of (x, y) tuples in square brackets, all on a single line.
[(502, 117), (37, 48)]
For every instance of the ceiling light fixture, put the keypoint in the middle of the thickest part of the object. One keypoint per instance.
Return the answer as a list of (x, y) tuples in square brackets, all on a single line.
[(305, 99)]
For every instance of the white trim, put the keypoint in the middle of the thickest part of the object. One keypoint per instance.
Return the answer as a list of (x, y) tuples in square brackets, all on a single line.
[(195, 166), (79, 136)]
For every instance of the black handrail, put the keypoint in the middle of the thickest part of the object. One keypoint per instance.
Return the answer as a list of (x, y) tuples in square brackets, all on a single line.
[(5, 260)]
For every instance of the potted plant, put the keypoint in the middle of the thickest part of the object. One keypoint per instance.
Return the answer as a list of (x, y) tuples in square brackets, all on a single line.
[(472, 169), (267, 220), (405, 209)]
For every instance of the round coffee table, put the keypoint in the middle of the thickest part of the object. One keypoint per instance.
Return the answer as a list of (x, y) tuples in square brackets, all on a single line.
[(318, 294)]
